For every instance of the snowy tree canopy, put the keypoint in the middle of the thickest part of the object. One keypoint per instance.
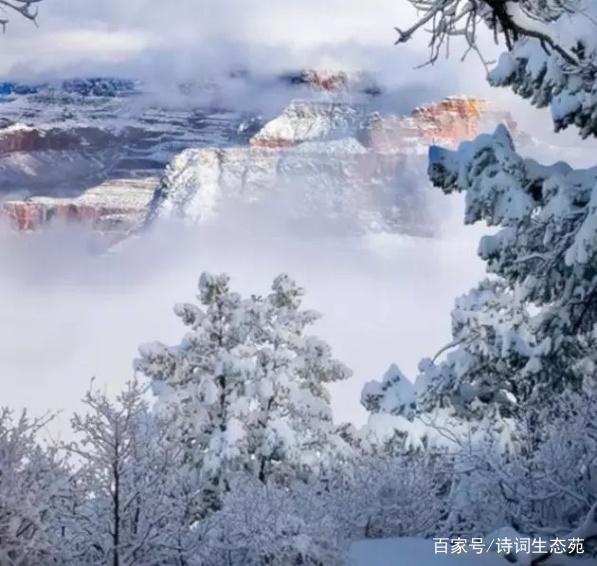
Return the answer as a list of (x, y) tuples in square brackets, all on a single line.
[(491, 354), (128, 501), (529, 331), (544, 252), (31, 482), (551, 55), (395, 394), (248, 383)]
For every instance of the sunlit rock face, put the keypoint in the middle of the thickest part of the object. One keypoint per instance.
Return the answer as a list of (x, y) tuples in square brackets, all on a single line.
[(451, 120), (330, 159)]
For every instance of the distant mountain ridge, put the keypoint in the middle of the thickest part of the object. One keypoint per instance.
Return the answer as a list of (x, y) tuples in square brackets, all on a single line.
[(92, 86), (330, 81)]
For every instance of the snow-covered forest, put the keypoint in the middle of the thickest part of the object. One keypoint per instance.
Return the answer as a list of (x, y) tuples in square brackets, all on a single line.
[(222, 449)]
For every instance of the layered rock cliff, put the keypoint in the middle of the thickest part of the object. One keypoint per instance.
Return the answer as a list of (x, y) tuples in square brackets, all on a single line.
[(339, 182), (115, 207), (330, 159)]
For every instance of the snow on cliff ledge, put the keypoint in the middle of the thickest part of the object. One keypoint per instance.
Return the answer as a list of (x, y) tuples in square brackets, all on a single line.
[(331, 159)]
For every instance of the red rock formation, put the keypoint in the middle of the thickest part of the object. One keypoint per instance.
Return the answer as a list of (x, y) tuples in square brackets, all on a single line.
[(31, 214), (334, 81), (326, 80), (113, 207), (22, 215), (451, 120)]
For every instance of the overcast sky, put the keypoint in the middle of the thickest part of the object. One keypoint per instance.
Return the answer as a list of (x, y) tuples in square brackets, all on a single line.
[(187, 38), (117, 30)]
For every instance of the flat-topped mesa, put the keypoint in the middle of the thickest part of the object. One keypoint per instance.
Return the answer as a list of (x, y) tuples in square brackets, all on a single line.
[(115, 207)]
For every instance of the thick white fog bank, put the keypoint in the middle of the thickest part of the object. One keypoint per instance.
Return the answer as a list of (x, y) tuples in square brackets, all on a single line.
[(68, 315)]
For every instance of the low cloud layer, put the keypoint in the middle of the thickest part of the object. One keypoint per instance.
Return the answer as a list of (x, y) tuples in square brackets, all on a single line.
[(70, 315), (169, 41)]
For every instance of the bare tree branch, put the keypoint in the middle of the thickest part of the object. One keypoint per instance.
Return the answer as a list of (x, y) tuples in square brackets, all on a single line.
[(26, 8), (508, 19)]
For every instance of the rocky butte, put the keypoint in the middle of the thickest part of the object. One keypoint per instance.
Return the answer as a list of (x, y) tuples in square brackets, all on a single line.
[(87, 154), (330, 159)]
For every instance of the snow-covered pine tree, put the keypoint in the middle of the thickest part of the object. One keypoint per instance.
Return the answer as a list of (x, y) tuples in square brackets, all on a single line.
[(489, 371), (392, 406), (248, 385), (537, 350), (206, 380), (395, 394), (544, 254), (545, 251), (293, 431)]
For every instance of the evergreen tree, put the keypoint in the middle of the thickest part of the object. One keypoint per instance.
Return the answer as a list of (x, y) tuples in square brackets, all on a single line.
[(529, 332), (524, 342), (248, 385)]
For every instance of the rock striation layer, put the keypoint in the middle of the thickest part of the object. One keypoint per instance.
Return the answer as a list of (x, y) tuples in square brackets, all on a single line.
[(115, 207)]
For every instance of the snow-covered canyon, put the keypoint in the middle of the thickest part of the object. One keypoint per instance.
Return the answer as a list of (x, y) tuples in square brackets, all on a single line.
[(94, 152)]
